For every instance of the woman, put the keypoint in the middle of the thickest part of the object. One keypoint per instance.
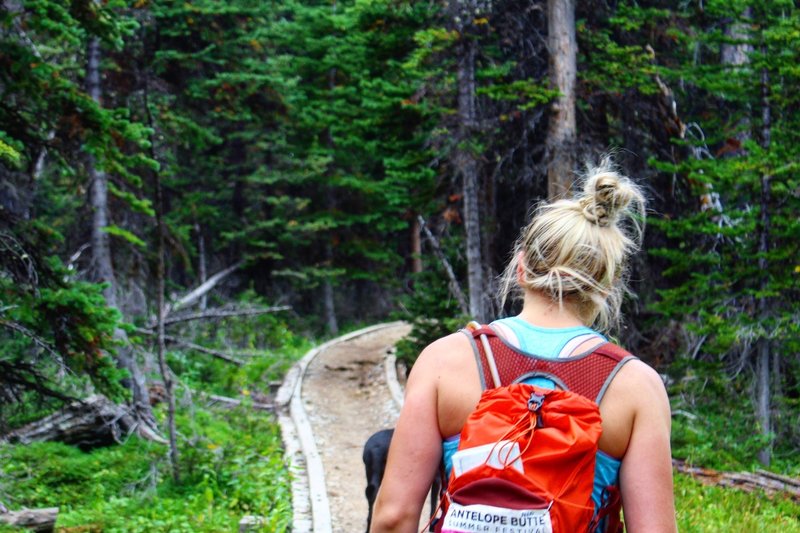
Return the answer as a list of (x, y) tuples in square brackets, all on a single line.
[(569, 266)]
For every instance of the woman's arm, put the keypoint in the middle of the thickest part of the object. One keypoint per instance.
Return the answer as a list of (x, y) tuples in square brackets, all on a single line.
[(646, 472), (415, 452)]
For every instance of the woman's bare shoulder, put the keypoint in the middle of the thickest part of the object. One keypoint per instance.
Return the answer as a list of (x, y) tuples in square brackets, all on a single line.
[(636, 389), (451, 346), (638, 376)]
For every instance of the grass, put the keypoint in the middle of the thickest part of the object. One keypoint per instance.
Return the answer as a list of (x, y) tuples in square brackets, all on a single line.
[(232, 465), (709, 509)]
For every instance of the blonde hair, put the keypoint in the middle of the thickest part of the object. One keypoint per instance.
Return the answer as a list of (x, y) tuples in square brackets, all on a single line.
[(578, 248)]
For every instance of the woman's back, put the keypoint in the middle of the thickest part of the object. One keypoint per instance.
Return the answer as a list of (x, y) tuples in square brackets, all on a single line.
[(569, 265), (459, 389)]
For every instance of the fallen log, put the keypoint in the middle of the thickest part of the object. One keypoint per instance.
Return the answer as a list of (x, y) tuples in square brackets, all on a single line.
[(768, 482), (90, 423), (39, 520)]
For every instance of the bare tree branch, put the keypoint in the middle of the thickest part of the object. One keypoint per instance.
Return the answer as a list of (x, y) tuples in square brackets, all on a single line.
[(13, 326), (455, 288), (203, 289), (233, 402), (222, 313), (186, 344)]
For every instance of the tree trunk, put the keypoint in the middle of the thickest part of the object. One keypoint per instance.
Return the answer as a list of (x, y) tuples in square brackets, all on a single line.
[(467, 164), (161, 307), (737, 53), (166, 372), (561, 134), (101, 252), (763, 346), (329, 307), (416, 246), (202, 272), (103, 269)]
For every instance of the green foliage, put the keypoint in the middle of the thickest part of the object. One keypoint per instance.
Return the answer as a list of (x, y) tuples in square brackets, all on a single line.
[(265, 342), (714, 423), (713, 418), (51, 325), (306, 136), (233, 463), (731, 250)]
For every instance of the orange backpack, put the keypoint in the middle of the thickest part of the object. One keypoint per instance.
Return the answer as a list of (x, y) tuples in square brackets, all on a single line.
[(526, 458)]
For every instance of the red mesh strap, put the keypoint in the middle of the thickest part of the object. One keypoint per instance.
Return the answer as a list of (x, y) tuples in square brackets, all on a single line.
[(585, 375)]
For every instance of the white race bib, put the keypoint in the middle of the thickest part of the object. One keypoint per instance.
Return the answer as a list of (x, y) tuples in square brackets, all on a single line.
[(490, 519)]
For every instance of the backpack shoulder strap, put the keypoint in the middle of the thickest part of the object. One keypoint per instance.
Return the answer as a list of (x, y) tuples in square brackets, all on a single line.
[(588, 374)]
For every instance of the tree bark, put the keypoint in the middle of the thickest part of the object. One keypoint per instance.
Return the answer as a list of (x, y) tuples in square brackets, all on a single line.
[(416, 246), (763, 392), (562, 130), (466, 162), (38, 520), (737, 53), (201, 262), (103, 269)]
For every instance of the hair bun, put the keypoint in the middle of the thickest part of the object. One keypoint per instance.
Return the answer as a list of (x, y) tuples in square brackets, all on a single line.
[(605, 194)]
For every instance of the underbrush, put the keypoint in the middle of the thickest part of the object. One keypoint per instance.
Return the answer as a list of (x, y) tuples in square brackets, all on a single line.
[(714, 424), (231, 465), (707, 509), (231, 460)]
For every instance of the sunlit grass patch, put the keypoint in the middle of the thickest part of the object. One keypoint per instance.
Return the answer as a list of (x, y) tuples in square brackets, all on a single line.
[(711, 509)]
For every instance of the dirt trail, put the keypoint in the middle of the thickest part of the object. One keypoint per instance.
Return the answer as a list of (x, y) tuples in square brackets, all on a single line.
[(346, 398)]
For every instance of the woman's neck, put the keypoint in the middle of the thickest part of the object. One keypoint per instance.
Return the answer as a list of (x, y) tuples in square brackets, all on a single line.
[(542, 311)]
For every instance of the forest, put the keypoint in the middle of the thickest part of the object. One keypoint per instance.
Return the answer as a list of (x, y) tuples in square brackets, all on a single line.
[(194, 193)]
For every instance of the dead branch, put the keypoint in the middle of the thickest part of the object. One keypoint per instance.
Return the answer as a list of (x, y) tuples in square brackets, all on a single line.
[(455, 288), (19, 328), (233, 402), (18, 377), (768, 482), (196, 347), (223, 313), (203, 289)]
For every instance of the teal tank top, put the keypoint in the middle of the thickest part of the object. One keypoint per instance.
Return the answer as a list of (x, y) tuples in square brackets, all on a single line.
[(550, 343)]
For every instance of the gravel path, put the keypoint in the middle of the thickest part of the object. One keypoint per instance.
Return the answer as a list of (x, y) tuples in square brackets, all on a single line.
[(342, 397), (347, 399)]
